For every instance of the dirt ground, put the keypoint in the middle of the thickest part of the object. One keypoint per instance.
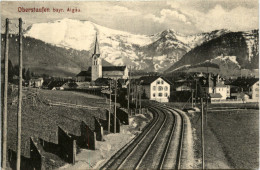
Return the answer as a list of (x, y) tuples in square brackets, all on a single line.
[(94, 159)]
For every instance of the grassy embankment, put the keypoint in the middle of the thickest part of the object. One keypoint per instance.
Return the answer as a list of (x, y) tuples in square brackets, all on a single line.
[(41, 120), (231, 136)]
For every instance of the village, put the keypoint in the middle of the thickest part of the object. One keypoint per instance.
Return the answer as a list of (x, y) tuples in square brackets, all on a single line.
[(161, 88), (141, 89), (122, 97)]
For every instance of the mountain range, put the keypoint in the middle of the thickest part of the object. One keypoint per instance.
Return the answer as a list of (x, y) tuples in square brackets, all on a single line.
[(66, 46)]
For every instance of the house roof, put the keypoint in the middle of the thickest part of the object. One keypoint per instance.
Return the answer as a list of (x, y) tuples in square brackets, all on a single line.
[(104, 68), (215, 95), (245, 82), (56, 83), (113, 68), (219, 84), (146, 80), (84, 73), (102, 81)]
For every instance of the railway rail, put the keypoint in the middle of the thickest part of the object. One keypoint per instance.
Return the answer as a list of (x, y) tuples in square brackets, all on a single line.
[(159, 146)]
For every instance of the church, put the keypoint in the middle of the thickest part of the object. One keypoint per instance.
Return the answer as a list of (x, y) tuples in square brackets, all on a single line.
[(97, 71)]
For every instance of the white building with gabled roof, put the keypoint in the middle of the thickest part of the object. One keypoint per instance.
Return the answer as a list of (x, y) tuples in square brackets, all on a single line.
[(156, 88)]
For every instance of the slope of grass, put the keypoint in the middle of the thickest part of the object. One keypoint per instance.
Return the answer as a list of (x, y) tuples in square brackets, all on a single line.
[(41, 120)]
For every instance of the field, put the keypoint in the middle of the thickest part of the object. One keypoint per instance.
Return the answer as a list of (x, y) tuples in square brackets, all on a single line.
[(231, 139), (238, 134), (72, 97)]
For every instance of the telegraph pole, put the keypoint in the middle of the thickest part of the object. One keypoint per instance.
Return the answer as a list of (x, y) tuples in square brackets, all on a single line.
[(192, 98), (136, 96), (19, 112), (129, 91), (140, 97), (196, 92), (202, 132), (5, 95), (115, 107), (206, 115), (108, 128)]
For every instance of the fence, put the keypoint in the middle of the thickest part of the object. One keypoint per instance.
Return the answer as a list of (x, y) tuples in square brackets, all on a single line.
[(122, 116), (112, 129), (67, 146), (88, 137), (73, 105), (38, 161), (98, 130), (227, 101)]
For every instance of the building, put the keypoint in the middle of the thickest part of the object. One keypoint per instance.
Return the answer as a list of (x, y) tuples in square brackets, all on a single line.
[(216, 88), (156, 88), (182, 85), (248, 86), (98, 71), (84, 76), (36, 82)]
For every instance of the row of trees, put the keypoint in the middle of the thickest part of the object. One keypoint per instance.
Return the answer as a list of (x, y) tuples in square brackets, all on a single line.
[(14, 70)]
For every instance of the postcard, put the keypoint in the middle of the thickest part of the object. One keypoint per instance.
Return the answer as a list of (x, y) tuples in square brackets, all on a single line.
[(130, 84)]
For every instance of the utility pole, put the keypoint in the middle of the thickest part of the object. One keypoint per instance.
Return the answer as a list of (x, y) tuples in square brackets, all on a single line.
[(108, 128), (202, 132), (136, 96), (115, 107), (196, 92), (206, 115), (5, 95), (140, 97), (19, 112), (192, 98), (129, 91)]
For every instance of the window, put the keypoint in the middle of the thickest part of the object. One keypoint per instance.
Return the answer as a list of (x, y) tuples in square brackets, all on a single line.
[(256, 95), (162, 82), (154, 95), (165, 94), (160, 88), (160, 94), (165, 88), (158, 82), (154, 88), (256, 89)]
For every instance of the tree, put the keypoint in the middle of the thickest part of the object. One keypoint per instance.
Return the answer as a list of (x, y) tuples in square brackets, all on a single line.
[(16, 70), (28, 74), (23, 73), (10, 70)]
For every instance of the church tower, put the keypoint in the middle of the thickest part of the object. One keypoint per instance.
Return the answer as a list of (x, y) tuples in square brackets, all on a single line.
[(96, 68)]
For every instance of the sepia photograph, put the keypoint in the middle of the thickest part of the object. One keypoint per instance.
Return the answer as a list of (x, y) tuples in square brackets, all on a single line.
[(129, 84)]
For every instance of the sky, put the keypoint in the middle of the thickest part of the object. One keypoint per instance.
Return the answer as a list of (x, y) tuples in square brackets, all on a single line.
[(147, 17)]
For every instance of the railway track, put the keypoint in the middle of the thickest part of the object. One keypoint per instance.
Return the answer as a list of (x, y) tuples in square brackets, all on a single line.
[(159, 146)]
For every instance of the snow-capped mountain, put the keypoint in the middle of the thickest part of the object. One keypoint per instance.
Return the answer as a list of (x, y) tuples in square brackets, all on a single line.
[(145, 52), (242, 45)]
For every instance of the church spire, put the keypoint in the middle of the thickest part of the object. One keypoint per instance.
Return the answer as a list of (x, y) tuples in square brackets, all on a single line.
[(96, 49)]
